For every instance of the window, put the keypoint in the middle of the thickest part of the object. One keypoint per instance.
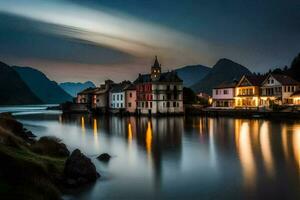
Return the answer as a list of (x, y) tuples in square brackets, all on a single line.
[(147, 104), (129, 105), (177, 104), (117, 97), (121, 97), (151, 104), (225, 91), (130, 94), (121, 105), (117, 105), (174, 104), (168, 104), (217, 92), (113, 97)]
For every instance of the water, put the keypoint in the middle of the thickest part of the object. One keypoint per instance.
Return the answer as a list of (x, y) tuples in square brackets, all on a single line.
[(180, 157)]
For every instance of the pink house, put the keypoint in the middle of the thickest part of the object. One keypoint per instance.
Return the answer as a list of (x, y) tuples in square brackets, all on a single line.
[(130, 98), (223, 95)]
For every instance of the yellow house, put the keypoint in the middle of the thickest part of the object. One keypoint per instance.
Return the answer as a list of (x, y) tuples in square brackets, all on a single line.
[(247, 92), (296, 97)]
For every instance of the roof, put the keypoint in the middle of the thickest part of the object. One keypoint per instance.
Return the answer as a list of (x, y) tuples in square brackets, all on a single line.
[(120, 87), (164, 77), (296, 94), (87, 91), (130, 87), (255, 80), (285, 80), (231, 84)]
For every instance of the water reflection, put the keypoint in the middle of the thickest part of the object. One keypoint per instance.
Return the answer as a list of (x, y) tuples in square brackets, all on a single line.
[(252, 156), (246, 155), (266, 148)]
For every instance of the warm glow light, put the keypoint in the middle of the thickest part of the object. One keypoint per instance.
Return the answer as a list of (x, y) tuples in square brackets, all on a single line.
[(246, 155), (296, 145), (82, 125), (129, 133), (149, 138), (95, 128), (266, 148), (284, 138)]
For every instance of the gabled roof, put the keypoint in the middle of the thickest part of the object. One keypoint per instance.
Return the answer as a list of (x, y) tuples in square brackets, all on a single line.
[(130, 87), (254, 80), (226, 84), (284, 80), (120, 87), (164, 77)]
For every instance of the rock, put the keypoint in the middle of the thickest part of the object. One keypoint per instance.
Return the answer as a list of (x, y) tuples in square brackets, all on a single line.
[(105, 157), (50, 146), (79, 170)]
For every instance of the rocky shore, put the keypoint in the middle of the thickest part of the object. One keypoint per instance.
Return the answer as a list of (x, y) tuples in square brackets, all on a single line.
[(38, 169)]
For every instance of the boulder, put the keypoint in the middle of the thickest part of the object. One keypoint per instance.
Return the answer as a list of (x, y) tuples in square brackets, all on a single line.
[(105, 157), (79, 170)]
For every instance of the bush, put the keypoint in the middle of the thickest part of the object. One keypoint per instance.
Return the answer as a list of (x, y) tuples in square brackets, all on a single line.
[(50, 146)]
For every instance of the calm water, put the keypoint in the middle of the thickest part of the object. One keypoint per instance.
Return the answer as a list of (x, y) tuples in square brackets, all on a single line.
[(180, 157)]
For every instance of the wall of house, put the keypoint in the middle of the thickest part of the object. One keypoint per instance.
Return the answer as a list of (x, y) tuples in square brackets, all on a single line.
[(130, 100), (117, 100), (224, 93), (287, 91), (101, 100)]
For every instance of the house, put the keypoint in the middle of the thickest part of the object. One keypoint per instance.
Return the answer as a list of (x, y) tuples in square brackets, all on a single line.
[(296, 98), (247, 91), (278, 89), (159, 93), (101, 97), (117, 96), (223, 95), (130, 98), (85, 96)]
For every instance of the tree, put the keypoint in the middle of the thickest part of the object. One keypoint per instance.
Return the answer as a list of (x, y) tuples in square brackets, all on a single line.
[(294, 70), (189, 96)]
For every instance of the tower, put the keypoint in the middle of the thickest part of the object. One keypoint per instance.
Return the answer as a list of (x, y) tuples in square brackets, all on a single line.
[(155, 70)]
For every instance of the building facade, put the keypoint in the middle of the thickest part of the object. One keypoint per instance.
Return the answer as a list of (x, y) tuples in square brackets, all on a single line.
[(130, 98), (278, 89), (159, 93), (223, 95), (247, 91)]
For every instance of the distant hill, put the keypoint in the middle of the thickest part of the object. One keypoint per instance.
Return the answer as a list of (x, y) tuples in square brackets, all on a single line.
[(192, 74), (224, 70), (46, 90), (13, 90), (73, 88)]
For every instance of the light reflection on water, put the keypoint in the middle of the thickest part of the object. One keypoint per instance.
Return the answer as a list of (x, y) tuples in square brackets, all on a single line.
[(192, 157)]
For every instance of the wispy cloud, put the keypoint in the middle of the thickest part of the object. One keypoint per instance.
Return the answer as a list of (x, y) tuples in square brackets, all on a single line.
[(106, 27)]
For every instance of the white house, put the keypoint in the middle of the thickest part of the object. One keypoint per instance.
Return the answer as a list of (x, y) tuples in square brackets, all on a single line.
[(117, 98), (223, 95), (278, 89)]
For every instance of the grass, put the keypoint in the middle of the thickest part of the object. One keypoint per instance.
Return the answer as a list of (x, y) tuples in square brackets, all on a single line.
[(25, 174)]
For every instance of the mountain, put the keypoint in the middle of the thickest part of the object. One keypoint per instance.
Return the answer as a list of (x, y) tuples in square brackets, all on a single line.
[(46, 90), (13, 90), (73, 88), (224, 70), (192, 74)]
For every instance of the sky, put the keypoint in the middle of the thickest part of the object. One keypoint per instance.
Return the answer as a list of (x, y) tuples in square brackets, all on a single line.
[(75, 40)]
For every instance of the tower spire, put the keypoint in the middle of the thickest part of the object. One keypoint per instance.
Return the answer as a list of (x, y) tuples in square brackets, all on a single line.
[(155, 70)]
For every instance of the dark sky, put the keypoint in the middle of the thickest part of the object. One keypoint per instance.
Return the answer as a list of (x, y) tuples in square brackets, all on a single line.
[(75, 40)]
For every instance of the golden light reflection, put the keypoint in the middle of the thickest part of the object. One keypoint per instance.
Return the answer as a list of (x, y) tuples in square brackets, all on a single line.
[(201, 126), (129, 133), (246, 155), (82, 125), (149, 138), (266, 148), (95, 129), (284, 139), (296, 145)]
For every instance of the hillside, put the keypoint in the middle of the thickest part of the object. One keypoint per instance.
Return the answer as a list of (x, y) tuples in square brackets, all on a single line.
[(192, 74), (224, 70), (48, 91), (73, 88), (13, 90)]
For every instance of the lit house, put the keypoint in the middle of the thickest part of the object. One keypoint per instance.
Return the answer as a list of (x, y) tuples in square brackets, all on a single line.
[(278, 89), (223, 95), (247, 91), (296, 97), (159, 93), (101, 96), (130, 98), (85, 96)]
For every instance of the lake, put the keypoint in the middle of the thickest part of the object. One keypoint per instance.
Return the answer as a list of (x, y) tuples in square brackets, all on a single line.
[(178, 157)]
